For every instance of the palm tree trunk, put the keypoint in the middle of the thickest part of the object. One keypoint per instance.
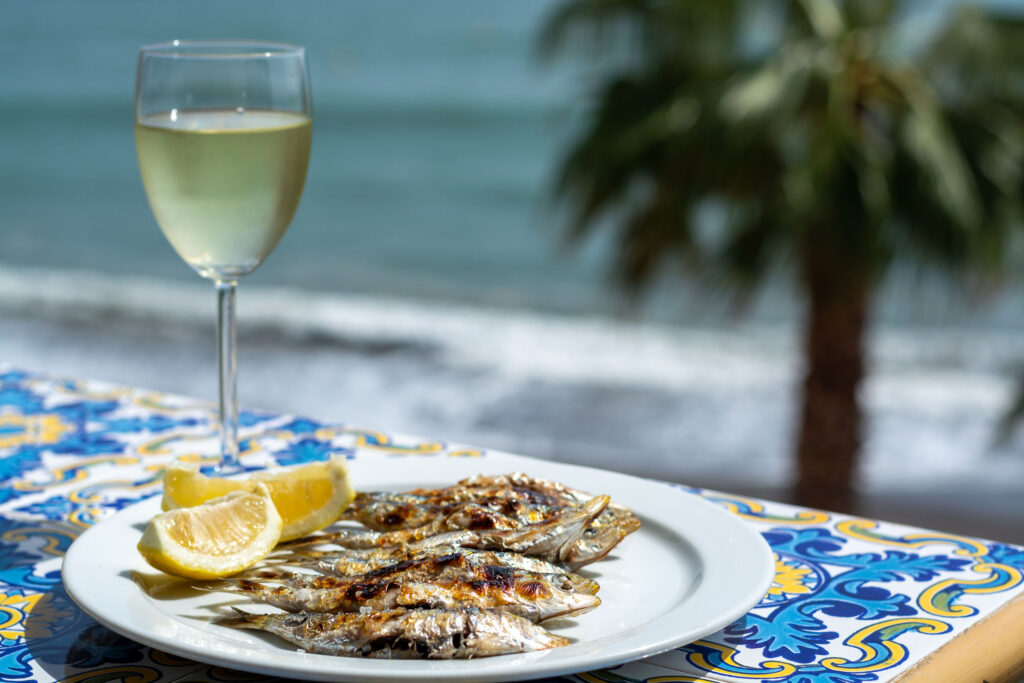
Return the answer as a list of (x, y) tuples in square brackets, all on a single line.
[(830, 423)]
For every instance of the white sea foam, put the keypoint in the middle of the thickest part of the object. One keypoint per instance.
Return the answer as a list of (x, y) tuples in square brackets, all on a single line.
[(516, 343), (683, 403)]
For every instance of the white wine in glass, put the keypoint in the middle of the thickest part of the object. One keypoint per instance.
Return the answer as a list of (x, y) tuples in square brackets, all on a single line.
[(223, 131)]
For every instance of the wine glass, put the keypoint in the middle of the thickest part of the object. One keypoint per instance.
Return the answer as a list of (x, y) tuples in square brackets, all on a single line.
[(223, 132)]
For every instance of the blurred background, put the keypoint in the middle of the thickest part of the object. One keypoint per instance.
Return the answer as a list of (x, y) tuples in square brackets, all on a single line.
[(425, 285)]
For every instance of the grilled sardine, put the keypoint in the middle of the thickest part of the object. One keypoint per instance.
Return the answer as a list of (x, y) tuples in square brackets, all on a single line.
[(535, 600), (387, 511), (510, 498), (403, 634), (458, 564), (469, 516), (552, 539), (346, 562)]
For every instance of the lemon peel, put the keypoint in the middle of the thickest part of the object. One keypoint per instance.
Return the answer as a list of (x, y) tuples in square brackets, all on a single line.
[(215, 539), (308, 497)]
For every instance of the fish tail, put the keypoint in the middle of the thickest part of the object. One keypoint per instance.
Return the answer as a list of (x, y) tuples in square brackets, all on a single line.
[(261, 573), (303, 542), (346, 538), (553, 641), (240, 619), (326, 568), (282, 558), (278, 572), (233, 586), (295, 556), (272, 575)]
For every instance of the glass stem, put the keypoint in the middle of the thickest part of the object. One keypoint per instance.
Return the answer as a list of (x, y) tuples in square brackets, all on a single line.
[(227, 364)]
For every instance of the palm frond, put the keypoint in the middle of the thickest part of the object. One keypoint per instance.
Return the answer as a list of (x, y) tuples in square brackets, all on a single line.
[(928, 140), (636, 117), (828, 139), (771, 92), (978, 56), (695, 32), (824, 17), (752, 247), (658, 228), (593, 24), (861, 14)]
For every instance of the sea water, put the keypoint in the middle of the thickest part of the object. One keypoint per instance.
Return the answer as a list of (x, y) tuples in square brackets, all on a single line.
[(420, 286)]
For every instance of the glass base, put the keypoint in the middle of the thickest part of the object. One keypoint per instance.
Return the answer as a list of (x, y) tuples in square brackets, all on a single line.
[(224, 272)]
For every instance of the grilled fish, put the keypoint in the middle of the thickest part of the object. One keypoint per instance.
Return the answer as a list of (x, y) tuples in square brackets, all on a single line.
[(535, 600), (347, 562), (597, 541), (387, 511), (403, 634), (552, 539), (606, 531), (513, 497), (556, 493), (551, 490), (467, 516), (431, 567)]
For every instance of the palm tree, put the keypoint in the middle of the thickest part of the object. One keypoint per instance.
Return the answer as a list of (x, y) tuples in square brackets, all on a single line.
[(836, 144)]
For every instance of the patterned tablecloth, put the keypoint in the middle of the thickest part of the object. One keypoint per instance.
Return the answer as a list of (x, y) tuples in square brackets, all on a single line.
[(853, 599)]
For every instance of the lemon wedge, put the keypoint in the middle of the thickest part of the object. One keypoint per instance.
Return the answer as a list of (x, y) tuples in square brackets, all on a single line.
[(218, 538), (308, 497)]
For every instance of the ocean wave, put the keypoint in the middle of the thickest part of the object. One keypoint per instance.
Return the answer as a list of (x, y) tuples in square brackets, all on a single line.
[(514, 342), (682, 403)]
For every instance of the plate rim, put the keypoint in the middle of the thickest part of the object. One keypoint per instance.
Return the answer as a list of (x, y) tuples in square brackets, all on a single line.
[(713, 552)]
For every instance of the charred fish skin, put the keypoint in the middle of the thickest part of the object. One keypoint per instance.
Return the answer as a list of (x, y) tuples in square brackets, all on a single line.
[(465, 517), (459, 564), (518, 496), (444, 573), (285, 553), (515, 497), (351, 564), (468, 516), (517, 483), (383, 511), (558, 493), (536, 600), (403, 634), (606, 531), (342, 564), (551, 539)]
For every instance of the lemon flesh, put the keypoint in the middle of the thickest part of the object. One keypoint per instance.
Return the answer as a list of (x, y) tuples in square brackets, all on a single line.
[(308, 497), (218, 538)]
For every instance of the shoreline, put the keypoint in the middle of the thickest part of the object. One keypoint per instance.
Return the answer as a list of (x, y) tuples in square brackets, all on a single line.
[(719, 416)]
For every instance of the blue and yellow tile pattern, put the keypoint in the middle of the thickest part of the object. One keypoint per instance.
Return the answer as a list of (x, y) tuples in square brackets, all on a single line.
[(853, 600)]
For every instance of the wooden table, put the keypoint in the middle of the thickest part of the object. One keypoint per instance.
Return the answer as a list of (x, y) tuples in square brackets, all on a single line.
[(853, 600)]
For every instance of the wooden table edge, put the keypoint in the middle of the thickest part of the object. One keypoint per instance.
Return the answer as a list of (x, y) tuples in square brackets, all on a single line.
[(991, 650)]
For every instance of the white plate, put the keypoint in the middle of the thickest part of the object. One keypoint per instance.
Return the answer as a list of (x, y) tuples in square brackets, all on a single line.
[(692, 569)]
